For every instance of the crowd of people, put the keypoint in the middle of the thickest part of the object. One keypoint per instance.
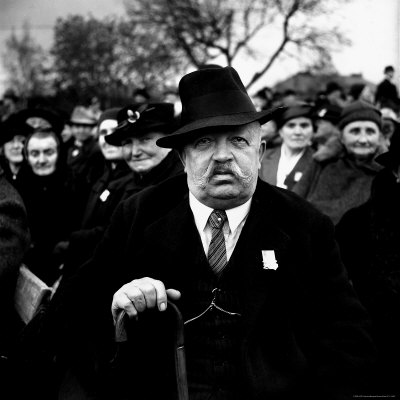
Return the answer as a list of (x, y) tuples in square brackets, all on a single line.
[(273, 219)]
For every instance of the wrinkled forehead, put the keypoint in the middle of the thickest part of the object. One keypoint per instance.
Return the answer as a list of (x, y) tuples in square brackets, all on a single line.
[(252, 129)]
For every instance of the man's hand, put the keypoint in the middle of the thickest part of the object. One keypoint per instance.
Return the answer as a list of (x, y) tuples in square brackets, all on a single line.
[(140, 294)]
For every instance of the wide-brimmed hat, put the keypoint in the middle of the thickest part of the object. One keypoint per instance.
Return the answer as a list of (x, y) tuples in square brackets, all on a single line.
[(140, 118), (14, 126), (391, 158), (213, 97), (83, 116), (41, 119)]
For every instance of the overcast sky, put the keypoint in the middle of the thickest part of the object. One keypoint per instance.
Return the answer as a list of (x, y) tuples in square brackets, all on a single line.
[(372, 25)]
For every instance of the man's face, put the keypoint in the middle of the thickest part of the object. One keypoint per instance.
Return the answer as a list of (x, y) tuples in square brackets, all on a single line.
[(361, 138), (142, 154), (297, 133), (42, 154), (82, 132), (111, 153), (222, 165)]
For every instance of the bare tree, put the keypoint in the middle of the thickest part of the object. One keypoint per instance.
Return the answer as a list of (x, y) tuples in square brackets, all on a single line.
[(26, 64), (202, 30)]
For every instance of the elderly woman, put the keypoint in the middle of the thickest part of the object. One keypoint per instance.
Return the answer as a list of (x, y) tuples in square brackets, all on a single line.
[(284, 166), (343, 181), (47, 191)]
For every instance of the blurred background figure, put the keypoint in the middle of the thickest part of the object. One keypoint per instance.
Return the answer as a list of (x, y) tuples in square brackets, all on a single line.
[(343, 181), (369, 237), (289, 97), (361, 91), (386, 92), (84, 156), (171, 95), (13, 133), (334, 94), (390, 123), (326, 140), (284, 165), (10, 104)]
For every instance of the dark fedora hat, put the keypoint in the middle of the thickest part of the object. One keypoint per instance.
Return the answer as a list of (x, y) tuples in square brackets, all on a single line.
[(140, 118), (391, 158), (213, 97)]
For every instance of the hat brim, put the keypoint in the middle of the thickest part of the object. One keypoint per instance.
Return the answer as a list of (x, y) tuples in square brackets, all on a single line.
[(184, 134), (55, 120), (117, 137)]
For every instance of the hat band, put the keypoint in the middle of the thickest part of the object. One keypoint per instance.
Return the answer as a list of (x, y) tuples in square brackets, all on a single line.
[(217, 104)]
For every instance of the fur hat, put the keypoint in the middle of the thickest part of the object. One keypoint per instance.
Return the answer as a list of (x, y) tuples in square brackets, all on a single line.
[(360, 111)]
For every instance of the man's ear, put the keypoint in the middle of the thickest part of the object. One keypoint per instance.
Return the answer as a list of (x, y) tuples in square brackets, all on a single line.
[(182, 156), (261, 152)]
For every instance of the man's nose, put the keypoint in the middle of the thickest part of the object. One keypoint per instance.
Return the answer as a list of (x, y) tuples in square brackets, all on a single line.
[(222, 151)]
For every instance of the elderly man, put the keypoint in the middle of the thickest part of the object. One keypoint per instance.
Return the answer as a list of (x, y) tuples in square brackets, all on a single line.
[(282, 318)]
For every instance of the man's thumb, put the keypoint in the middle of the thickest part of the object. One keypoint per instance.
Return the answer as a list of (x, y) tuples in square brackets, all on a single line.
[(173, 294)]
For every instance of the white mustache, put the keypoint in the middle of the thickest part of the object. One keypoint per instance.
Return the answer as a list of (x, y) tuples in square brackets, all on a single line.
[(245, 177)]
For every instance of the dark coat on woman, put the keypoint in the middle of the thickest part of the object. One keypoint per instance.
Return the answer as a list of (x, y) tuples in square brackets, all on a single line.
[(304, 329), (52, 209), (369, 239), (336, 185), (270, 162), (106, 194)]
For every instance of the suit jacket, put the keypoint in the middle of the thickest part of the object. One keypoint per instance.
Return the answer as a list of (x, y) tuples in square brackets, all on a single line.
[(269, 167), (304, 327)]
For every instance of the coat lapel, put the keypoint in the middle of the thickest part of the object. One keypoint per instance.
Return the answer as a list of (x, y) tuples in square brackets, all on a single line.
[(260, 287)]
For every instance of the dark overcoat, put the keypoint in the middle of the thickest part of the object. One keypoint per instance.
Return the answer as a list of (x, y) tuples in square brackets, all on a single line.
[(369, 238), (304, 327), (270, 162)]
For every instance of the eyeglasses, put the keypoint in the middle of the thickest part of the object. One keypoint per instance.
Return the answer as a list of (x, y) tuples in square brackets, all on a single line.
[(212, 306)]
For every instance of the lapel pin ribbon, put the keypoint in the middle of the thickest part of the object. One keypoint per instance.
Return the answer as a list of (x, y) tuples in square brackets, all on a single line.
[(269, 260)]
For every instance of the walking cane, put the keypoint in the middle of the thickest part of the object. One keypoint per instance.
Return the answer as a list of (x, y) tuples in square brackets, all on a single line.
[(179, 347)]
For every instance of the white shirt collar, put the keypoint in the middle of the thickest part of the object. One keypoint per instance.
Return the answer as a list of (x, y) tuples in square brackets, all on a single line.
[(201, 213)]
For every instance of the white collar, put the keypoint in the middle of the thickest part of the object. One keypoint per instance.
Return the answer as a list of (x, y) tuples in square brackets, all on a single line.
[(201, 213)]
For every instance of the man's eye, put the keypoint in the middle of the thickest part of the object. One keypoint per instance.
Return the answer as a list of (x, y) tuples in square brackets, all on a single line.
[(239, 140), (203, 141)]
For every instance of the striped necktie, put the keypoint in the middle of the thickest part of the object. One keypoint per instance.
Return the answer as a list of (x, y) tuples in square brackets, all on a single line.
[(217, 250)]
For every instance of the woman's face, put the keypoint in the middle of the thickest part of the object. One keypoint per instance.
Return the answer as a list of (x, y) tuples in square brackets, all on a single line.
[(297, 133), (109, 152), (42, 154), (361, 138), (13, 150)]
